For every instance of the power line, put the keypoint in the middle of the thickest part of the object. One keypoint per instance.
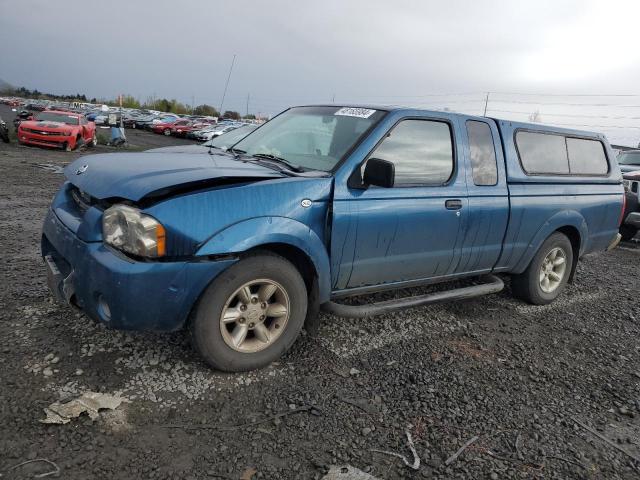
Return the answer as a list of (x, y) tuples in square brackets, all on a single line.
[(567, 115), (571, 94), (567, 104)]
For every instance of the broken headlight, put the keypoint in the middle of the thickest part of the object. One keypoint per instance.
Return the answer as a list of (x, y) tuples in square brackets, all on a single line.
[(128, 229)]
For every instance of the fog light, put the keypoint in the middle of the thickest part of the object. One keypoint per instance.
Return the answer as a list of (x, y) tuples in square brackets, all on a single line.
[(103, 309)]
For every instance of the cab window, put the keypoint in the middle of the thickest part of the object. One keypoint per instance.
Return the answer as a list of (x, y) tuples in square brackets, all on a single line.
[(421, 151), (482, 153)]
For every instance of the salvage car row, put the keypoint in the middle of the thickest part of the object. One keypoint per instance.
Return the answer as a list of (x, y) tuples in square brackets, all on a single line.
[(197, 127)]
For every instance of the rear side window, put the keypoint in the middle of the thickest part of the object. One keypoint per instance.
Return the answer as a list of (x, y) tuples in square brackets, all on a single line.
[(421, 151), (586, 157), (542, 153), (482, 153)]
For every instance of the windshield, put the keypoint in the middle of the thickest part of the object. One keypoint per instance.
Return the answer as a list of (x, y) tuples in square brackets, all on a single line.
[(58, 117), (314, 138), (629, 158), (227, 139)]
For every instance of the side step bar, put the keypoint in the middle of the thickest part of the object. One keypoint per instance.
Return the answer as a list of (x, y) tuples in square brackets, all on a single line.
[(494, 285)]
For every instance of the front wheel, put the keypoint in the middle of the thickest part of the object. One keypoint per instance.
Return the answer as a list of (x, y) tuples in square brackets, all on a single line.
[(167, 132), (94, 140), (546, 276), (251, 314)]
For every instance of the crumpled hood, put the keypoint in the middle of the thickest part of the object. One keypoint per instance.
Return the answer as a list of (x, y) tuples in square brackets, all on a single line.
[(136, 175), (46, 125)]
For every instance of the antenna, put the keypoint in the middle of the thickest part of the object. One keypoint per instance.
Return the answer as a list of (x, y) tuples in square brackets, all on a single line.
[(224, 93), (486, 102)]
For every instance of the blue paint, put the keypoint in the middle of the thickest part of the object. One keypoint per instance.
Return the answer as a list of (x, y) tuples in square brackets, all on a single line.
[(357, 240)]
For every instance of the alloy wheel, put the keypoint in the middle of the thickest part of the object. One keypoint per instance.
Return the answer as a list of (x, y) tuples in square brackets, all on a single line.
[(255, 316), (552, 270)]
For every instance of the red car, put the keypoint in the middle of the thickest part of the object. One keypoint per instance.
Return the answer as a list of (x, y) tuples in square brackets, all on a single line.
[(165, 127), (182, 130), (53, 128)]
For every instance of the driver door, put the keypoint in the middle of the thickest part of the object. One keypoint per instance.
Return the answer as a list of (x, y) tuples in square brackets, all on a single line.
[(411, 231)]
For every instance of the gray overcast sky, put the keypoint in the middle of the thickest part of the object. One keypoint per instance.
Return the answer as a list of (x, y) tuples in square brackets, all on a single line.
[(292, 52)]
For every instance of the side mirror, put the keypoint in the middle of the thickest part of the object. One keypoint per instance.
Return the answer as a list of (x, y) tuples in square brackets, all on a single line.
[(378, 172)]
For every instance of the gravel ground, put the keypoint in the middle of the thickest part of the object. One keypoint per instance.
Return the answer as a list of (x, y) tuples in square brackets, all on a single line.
[(514, 375)]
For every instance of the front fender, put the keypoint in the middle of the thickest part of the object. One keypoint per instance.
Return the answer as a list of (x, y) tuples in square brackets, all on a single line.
[(565, 218), (252, 233)]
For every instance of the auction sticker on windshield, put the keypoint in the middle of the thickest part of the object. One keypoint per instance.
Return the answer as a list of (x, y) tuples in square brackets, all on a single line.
[(355, 112)]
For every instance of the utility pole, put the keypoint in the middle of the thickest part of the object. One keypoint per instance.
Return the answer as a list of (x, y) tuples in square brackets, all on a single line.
[(248, 94), (224, 93), (486, 102), (333, 99), (193, 104)]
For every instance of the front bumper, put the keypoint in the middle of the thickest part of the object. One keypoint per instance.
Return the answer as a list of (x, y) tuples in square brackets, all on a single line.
[(633, 219), (120, 292), (46, 140)]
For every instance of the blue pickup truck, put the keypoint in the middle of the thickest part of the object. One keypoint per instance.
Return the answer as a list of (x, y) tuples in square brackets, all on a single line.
[(245, 246)]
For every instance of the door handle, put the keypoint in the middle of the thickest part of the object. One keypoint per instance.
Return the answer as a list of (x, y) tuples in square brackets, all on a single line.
[(453, 204)]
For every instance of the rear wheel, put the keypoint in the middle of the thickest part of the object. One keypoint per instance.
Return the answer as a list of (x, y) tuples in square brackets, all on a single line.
[(251, 314), (546, 276), (628, 232), (167, 132)]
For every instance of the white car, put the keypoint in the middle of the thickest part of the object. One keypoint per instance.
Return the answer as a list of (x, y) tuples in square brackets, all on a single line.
[(215, 132)]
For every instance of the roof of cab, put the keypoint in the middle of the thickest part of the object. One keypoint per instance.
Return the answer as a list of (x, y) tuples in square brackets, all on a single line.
[(515, 125)]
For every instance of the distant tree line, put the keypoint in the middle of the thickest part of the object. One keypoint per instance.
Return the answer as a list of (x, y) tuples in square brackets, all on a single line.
[(128, 101)]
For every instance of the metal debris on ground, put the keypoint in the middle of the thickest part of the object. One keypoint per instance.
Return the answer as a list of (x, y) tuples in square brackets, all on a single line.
[(51, 167), (453, 457), (89, 402), (416, 459), (347, 473), (55, 471)]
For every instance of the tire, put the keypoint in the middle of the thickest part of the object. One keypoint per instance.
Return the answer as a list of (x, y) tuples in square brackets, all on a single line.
[(79, 142), (628, 232), (94, 140), (4, 135), (214, 338), (66, 147), (167, 132), (531, 286)]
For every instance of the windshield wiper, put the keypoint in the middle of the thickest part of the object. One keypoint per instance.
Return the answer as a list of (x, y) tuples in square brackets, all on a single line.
[(274, 158), (236, 152)]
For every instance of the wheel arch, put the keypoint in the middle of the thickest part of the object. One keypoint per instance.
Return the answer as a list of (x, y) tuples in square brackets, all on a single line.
[(570, 223), (573, 234), (286, 237)]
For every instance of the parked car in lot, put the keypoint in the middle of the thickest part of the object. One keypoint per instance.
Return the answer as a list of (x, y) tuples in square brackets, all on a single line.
[(166, 127), (58, 129), (323, 202), (181, 129), (221, 142), (631, 223), (629, 160), (212, 132), (21, 117)]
